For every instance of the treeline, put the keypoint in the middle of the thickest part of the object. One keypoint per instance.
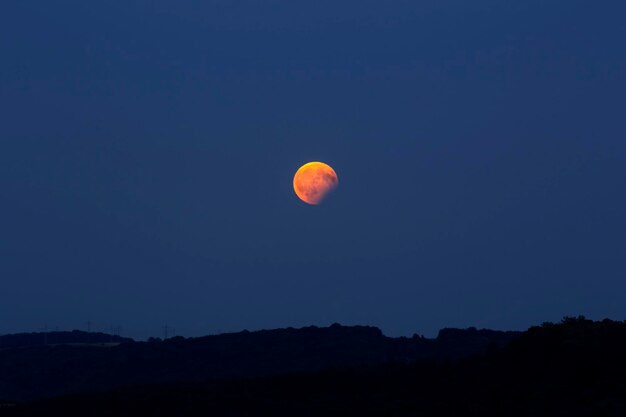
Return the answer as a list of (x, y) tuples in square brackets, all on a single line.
[(22, 340), (53, 370), (573, 368)]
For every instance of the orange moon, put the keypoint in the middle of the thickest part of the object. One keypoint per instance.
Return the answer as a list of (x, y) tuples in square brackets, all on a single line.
[(314, 181)]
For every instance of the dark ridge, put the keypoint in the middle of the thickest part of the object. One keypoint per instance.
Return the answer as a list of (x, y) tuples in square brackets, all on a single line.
[(576, 368), (20, 340), (29, 373)]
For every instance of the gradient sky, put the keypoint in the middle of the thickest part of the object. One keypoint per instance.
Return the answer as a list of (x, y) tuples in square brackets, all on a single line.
[(147, 150)]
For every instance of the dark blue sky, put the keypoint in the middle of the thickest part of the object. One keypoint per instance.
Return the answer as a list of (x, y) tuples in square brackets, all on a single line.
[(147, 150)]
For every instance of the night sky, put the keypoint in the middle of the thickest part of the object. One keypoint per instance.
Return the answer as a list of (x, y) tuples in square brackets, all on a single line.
[(147, 151)]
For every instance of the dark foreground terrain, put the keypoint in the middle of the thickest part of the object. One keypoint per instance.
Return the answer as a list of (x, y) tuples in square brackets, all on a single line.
[(77, 362), (574, 368)]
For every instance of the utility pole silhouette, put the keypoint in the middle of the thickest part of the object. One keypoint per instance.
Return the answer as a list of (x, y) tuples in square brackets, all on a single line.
[(114, 331), (117, 330)]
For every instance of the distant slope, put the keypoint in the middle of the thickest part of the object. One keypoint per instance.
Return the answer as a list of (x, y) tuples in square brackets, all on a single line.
[(20, 340), (573, 369), (46, 371)]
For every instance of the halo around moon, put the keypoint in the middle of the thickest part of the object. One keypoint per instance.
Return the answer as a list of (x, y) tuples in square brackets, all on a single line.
[(314, 181)]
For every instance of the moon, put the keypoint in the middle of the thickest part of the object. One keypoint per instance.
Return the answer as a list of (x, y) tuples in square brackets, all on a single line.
[(314, 181)]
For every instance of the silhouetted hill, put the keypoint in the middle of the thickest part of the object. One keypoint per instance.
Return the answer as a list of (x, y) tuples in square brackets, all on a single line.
[(576, 368), (19, 340), (45, 371)]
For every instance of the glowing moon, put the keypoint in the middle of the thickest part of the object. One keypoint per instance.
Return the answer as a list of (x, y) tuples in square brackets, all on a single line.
[(313, 182)]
